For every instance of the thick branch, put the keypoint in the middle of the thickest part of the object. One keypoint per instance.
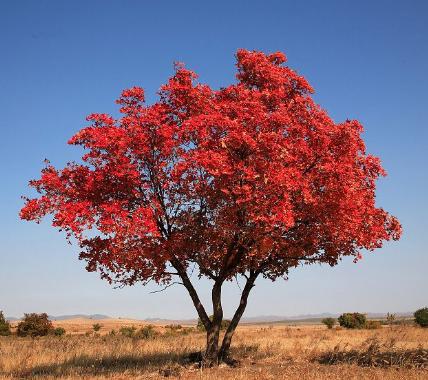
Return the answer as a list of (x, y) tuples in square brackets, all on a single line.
[(192, 292), (224, 351)]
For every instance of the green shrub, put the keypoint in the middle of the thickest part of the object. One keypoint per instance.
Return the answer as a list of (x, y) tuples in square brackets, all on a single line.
[(224, 324), (373, 325), (59, 331), (34, 325), (421, 317), (147, 332), (173, 330), (329, 322), (128, 331), (352, 320), (96, 327), (4, 325), (174, 327)]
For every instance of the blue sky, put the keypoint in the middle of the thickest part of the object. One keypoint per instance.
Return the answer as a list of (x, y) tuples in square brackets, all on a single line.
[(60, 61)]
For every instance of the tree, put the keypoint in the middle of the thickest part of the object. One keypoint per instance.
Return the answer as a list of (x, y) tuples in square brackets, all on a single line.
[(352, 320), (390, 318), (4, 325), (421, 317), (329, 322), (249, 180), (35, 325)]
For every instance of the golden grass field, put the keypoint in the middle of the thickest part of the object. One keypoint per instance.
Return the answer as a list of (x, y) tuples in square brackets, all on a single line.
[(264, 352)]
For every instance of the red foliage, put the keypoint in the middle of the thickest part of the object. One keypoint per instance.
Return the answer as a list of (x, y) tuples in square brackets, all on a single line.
[(252, 177)]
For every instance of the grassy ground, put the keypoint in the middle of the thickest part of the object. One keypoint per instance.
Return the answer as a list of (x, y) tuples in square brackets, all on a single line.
[(277, 352)]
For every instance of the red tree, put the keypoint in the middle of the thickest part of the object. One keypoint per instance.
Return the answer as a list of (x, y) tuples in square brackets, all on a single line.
[(252, 179)]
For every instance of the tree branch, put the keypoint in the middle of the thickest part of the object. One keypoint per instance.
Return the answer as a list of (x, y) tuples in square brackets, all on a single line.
[(166, 287), (192, 292), (224, 351)]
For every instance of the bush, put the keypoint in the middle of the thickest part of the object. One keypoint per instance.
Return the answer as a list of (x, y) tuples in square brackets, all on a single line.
[(421, 317), (352, 320), (373, 325), (147, 332), (4, 325), (329, 322), (174, 327), (96, 327), (59, 331), (128, 331), (34, 325), (224, 324)]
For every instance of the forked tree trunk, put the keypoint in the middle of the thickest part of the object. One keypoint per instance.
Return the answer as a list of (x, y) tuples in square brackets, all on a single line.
[(224, 353), (213, 353)]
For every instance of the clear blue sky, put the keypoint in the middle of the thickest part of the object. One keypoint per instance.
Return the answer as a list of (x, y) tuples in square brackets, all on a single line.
[(61, 60)]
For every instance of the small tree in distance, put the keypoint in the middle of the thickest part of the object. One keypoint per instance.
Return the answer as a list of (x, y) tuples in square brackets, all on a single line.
[(352, 320), (34, 325), (329, 322), (390, 318), (4, 325), (421, 317), (250, 180)]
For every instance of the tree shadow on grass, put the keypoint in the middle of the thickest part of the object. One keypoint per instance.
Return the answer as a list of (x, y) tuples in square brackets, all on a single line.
[(167, 364), (91, 365)]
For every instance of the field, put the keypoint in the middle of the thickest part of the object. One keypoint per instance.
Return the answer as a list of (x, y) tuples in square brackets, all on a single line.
[(264, 352)]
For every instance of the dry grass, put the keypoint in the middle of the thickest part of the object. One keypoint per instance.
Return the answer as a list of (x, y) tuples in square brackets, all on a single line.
[(278, 352)]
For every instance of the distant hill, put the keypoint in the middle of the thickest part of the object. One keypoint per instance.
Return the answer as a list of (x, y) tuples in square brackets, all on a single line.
[(312, 318), (303, 318), (82, 316), (65, 317)]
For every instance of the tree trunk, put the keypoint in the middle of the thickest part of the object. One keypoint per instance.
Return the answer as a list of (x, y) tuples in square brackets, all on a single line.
[(211, 355), (224, 353)]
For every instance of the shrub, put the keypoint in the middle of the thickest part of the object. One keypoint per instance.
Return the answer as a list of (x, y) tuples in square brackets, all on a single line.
[(224, 324), (128, 331), (329, 322), (421, 317), (59, 331), (147, 332), (174, 327), (373, 325), (4, 325), (352, 320), (34, 325), (96, 327)]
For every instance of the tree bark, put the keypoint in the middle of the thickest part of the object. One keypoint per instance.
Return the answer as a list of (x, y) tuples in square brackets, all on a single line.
[(211, 355), (224, 353)]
